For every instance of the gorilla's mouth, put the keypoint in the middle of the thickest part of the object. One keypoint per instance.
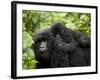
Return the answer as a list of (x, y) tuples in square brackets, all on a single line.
[(43, 47)]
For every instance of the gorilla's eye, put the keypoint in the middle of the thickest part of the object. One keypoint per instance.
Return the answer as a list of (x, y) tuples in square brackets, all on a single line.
[(43, 46)]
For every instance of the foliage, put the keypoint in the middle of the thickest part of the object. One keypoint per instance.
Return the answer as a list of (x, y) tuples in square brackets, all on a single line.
[(36, 20)]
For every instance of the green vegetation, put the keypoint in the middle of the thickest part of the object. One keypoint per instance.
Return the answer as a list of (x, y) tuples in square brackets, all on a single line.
[(36, 20)]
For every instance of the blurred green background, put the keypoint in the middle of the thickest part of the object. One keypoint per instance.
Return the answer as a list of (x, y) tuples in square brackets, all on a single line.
[(36, 20)]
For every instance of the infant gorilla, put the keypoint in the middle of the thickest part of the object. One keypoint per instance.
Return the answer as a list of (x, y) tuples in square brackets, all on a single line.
[(59, 46)]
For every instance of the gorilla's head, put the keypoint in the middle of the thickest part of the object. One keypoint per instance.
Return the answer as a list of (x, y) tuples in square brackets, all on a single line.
[(61, 30), (42, 45), (58, 28)]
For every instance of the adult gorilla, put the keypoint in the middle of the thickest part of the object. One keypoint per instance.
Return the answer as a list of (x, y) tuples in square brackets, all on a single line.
[(59, 46)]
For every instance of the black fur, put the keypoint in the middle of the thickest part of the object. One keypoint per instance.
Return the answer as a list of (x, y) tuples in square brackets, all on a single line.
[(59, 46)]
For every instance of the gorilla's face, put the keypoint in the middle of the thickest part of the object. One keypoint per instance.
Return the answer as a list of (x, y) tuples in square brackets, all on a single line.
[(42, 46)]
